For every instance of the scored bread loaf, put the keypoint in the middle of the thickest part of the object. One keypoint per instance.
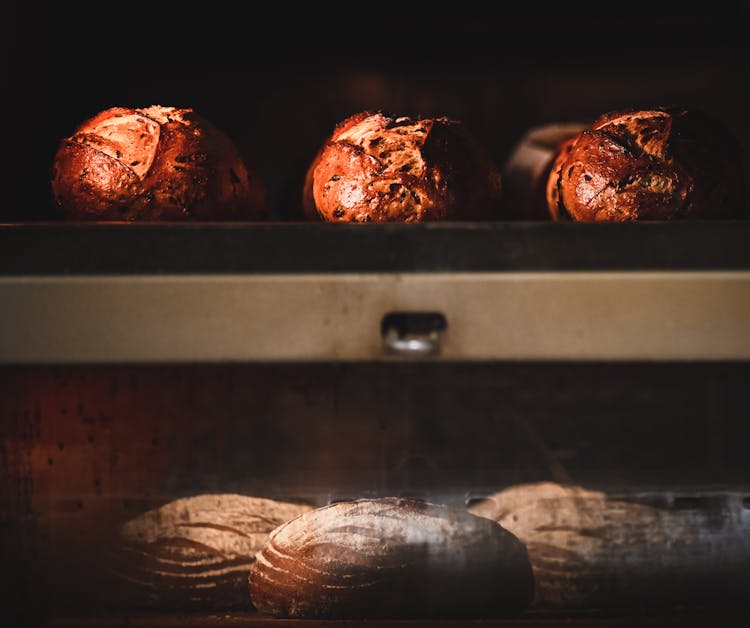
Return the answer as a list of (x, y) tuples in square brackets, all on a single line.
[(390, 557), (590, 550), (664, 163), (153, 164), (194, 552), (378, 167)]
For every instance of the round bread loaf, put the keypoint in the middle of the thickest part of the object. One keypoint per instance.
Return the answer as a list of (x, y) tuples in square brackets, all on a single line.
[(157, 163), (377, 167), (390, 557), (656, 164), (195, 552), (589, 550)]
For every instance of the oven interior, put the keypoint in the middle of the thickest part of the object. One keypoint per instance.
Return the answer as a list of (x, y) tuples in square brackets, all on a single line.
[(87, 447)]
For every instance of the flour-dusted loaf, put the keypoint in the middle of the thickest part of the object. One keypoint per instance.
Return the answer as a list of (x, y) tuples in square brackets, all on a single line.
[(155, 163), (664, 163), (590, 550), (194, 552), (379, 167), (391, 557)]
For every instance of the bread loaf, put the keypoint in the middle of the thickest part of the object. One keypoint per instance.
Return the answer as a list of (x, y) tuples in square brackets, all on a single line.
[(656, 164), (390, 557), (589, 550), (194, 552), (377, 167), (157, 163)]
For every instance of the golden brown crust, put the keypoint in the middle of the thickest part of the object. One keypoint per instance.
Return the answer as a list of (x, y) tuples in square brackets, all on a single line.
[(381, 168), (552, 190), (309, 211), (158, 163), (390, 557), (657, 164)]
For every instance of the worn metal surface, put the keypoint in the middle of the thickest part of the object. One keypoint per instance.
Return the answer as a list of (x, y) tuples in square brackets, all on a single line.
[(490, 316)]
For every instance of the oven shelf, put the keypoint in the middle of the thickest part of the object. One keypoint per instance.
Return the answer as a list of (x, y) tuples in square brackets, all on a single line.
[(680, 618), (160, 293), (84, 248)]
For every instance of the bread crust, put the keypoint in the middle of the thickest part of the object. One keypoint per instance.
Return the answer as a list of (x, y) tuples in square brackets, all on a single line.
[(157, 163), (193, 552), (658, 164), (377, 167), (592, 550), (390, 557)]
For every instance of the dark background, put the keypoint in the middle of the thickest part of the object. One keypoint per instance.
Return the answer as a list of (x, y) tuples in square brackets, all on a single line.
[(277, 80)]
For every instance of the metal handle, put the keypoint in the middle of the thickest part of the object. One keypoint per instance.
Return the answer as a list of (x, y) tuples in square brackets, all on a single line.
[(413, 333)]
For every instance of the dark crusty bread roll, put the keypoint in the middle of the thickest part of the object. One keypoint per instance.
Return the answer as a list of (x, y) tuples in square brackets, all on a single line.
[(390, 557), (658, 164), (195, 552), (157, 163), (592, 550), (377, 167)]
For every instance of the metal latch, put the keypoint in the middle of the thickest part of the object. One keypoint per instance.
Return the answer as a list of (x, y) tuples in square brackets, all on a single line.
[(413, 333)]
